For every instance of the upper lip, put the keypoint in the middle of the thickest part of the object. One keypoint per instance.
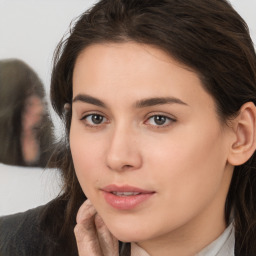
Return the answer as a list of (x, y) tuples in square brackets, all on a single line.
[(125, 188)]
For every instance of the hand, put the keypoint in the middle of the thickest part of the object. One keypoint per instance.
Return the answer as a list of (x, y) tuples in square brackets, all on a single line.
[(92, 235)]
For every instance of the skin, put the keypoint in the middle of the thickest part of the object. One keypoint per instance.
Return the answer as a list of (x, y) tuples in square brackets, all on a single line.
[(184, 160), (92, 235)]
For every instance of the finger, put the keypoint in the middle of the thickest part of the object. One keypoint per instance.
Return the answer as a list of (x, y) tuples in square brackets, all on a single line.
[(108, 243), (85, 220), (85, 212), (85, 231)]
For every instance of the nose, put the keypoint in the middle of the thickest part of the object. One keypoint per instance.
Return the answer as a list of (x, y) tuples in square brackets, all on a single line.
[(123, 152)]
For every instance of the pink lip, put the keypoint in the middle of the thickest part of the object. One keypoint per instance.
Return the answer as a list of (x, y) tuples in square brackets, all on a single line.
[(125, 202)]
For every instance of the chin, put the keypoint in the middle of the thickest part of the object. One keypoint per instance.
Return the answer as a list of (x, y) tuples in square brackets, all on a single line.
[(126, 238), (129, 227), (129, 235)]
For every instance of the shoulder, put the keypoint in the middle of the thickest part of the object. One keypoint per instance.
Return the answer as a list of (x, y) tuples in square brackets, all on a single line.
[(20, 234)]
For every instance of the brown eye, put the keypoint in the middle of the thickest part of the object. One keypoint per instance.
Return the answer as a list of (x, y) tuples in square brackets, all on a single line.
[(97, 119), (159, 120), (94, 119)]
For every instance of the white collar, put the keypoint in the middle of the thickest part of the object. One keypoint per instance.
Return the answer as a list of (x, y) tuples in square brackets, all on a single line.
[(223, 245), (137, 250)]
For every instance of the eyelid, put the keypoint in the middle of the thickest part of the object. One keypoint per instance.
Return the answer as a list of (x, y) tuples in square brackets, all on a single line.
[(92, 112), (160, 113)]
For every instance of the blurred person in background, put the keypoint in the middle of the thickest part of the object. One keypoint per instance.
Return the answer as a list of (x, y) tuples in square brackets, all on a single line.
[(26, 134)]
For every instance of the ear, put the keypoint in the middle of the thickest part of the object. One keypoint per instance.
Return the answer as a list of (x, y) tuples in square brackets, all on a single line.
[(244, 127)]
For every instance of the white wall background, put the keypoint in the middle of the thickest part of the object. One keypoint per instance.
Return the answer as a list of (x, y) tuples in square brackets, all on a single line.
[(31, 29)]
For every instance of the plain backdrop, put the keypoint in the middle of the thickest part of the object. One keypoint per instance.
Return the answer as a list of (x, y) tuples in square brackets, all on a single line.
[(23, 188), (30, 30)]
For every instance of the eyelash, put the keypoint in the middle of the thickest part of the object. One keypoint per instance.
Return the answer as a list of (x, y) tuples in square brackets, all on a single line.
[(151, 117)]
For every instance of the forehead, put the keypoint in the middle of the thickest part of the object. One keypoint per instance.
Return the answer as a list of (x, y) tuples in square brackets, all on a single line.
[(128, 51), (132, 70), (132, 57)]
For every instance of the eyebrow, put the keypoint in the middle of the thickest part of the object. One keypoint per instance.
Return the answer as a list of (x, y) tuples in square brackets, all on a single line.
[(139, 104), (158, 101), (89, 99)]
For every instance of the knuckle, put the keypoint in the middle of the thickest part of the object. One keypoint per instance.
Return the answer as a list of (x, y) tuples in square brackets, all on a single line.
[(79, 233)]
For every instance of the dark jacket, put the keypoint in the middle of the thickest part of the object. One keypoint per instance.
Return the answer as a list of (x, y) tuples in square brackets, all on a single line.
[(21, 234)]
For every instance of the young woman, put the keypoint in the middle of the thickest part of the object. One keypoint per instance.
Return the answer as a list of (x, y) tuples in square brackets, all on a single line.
[(158, 98), (26, 129)]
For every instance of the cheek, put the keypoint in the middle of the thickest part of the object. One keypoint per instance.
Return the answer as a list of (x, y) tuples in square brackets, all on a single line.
[(87, 158), (189, 166), (188, 175)]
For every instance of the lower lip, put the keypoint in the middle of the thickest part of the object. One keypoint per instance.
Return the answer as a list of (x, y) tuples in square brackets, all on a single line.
[(126, 202)]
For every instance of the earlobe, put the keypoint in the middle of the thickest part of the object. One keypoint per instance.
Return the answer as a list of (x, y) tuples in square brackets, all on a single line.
[(244, 126)]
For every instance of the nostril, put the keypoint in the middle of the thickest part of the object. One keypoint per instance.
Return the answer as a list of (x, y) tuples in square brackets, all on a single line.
[(121, 167), (127, 166)]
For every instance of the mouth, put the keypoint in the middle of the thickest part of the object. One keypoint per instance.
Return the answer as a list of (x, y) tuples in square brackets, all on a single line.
[(125, 197), (125, 193)]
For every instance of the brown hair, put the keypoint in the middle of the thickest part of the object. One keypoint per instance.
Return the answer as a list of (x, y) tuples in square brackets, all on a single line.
[(208, 36), (18, 81)]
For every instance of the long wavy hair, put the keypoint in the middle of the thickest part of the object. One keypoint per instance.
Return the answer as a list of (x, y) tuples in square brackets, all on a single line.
[(209, 37), (18, 81)]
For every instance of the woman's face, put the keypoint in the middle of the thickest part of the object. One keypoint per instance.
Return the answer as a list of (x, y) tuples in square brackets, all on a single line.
[(148, 148)]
